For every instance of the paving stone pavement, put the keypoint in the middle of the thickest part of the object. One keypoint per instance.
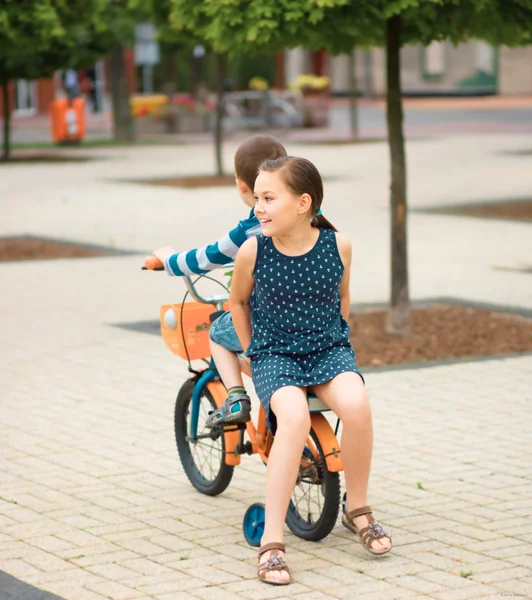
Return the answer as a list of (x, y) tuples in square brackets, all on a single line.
[(93, 502)]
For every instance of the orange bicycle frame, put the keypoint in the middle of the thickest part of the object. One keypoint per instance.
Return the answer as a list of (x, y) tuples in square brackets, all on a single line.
[(261, 437)]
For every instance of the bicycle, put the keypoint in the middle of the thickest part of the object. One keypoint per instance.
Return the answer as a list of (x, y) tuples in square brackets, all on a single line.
[(252, 109), (209, 456)]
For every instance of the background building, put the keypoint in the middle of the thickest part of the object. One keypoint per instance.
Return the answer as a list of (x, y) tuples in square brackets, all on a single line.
[(468, 69), (439, 69)]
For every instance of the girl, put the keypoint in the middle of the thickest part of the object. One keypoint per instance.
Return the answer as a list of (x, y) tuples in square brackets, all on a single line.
[(296, 335)]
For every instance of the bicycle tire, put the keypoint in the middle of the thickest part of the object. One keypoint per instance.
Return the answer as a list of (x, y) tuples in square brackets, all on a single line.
[(219, 476), (303, 522)]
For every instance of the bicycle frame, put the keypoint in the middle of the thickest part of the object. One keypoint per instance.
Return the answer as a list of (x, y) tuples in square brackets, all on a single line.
[(260, 438)]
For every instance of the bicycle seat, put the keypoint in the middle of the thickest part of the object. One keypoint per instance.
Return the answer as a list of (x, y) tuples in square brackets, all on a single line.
[(315, 404)]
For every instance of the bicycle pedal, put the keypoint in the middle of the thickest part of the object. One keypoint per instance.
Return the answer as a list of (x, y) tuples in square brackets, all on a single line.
[(234, 427)]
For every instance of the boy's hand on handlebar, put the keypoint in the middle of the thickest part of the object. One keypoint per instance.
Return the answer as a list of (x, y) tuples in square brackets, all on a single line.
[(152, 263), (156, 261)]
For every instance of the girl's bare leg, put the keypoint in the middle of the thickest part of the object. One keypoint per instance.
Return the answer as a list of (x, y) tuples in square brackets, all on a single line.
[(293, 425), (346, 396)]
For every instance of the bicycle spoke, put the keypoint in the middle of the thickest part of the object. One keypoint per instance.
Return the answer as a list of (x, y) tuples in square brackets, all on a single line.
[(205, 459), (297, 505), (307, 496), (213, 446), (198, 454), (206, 450), (207, 456)]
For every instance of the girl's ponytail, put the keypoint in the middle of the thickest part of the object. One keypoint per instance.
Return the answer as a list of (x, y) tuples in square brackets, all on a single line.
[(319, 221)]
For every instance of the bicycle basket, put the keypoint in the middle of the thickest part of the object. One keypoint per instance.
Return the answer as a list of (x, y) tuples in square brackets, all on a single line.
[(185, 328)]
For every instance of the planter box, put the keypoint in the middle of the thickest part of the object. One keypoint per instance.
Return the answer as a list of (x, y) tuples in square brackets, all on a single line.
[(316, 108), (149, 126), (189, 123), (194, 123)]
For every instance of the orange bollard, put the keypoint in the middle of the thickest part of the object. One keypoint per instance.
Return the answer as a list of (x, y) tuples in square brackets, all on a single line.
[(67, 120)]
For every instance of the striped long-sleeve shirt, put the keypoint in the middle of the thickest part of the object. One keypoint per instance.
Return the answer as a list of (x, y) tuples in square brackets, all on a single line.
[(213, 256)]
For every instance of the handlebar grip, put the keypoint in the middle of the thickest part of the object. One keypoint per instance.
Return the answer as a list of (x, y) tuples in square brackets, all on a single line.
[(152, 263)]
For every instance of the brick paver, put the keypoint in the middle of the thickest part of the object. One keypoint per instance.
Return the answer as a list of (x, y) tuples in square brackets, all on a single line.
[(93, 502)]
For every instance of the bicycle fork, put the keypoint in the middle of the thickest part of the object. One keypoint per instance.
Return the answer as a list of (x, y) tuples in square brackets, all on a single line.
[(219, 394), (328, 442)]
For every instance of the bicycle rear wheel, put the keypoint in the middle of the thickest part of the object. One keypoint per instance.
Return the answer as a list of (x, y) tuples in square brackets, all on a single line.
[(315, 500), (203, 459)]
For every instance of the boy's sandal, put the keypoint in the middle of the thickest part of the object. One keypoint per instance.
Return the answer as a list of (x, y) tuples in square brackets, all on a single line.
[(275, 562), (236, 410), (367, 535)]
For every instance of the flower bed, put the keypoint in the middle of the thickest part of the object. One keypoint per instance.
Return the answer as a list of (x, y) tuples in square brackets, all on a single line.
[(180, 113), (315, 91), (185, 114)]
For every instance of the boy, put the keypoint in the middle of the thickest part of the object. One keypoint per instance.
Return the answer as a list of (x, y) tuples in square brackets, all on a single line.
[(223, 339)]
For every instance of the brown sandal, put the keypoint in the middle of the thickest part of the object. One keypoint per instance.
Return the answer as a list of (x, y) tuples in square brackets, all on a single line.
[(367, 535), (275, 563)]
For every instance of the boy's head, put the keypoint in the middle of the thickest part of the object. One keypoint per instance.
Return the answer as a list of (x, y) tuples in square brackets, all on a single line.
[(249, 157)]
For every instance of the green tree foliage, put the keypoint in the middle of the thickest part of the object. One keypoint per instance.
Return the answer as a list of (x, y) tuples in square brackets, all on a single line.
[(394, 24), (252, 27), (38, 37), (263, 26), (29, 30), (175, 42), (118, 32)]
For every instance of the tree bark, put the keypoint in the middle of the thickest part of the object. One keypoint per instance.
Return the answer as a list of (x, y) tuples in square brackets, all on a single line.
[(7, 119), (221, 66), (399, 313), (353, 113), (123, 126)]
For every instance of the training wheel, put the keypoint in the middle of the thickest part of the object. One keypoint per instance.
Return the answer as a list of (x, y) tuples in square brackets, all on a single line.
[(344, 500), (253, 524)]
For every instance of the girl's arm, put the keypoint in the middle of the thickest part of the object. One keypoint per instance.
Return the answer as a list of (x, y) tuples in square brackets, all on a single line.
[(241, 288), (344, 247)]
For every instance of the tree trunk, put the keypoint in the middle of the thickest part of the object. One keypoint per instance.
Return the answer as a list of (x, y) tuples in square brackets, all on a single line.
[(353, 95), (399, 314), (124, 129), (7, 119), (170, 69), (368, 74), (221, 65)]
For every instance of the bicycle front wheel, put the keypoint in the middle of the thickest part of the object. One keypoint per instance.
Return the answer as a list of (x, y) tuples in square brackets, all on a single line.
[(203, 459), (315, 500)]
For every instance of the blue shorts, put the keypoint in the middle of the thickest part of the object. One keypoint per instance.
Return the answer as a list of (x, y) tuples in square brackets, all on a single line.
[(223, 332)]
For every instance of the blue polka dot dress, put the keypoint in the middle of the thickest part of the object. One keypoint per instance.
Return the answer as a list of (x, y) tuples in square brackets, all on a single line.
[(299, 337)]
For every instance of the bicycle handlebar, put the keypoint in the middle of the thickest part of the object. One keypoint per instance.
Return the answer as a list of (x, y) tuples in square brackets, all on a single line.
[(152, 263)]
